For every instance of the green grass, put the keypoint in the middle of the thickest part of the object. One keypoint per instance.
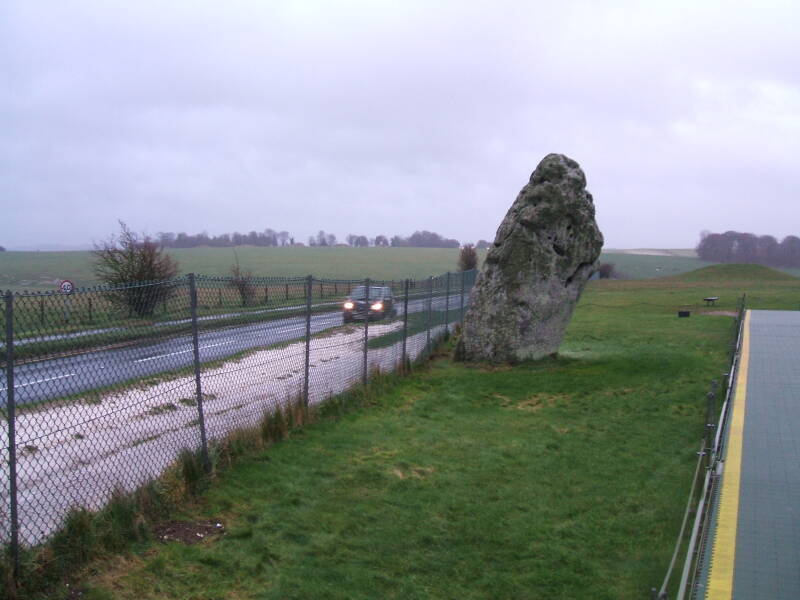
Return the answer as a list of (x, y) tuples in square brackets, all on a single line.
[(43, 270), (565, 478), (641, 266)]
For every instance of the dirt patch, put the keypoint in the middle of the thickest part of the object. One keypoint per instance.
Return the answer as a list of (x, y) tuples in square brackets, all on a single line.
[(721, 313), (538, 401), (188, 533), (415, 472)]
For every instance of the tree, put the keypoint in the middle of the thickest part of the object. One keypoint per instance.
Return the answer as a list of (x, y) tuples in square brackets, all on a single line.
[(380, 240), (467, 258), (735, 246), (242, 282), (482, 245), (137, 265), (2, 249)]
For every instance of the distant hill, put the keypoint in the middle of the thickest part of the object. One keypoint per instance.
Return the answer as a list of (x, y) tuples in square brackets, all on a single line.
[(735, 272)]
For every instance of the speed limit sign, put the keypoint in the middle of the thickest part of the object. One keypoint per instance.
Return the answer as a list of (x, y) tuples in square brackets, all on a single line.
[(66, 287)]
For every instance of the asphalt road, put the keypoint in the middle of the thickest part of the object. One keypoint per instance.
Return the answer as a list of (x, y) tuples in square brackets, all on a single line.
[(68, 375)]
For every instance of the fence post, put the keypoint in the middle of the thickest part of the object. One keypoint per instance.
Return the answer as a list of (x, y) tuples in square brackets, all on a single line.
[(428, 319), (198, 386), (405, 324), (447, 307), (365, 374), (12, 435), (461, 306), (309, 292)]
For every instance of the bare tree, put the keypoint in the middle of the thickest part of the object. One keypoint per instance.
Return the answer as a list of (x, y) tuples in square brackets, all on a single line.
[(242, 282), (134, 263), (467, 258)]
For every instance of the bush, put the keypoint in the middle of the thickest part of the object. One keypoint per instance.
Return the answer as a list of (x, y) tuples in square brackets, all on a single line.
[(128, 260), (467, 258), (607, 271)]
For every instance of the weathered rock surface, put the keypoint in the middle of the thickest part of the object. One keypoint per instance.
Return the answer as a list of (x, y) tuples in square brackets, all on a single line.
[(545, 250)]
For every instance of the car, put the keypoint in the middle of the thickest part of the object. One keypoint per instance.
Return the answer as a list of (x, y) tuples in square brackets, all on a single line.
[(381, 304)]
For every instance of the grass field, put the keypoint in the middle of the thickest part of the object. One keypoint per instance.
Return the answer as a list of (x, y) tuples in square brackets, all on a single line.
[(564, 478), (43, 270)]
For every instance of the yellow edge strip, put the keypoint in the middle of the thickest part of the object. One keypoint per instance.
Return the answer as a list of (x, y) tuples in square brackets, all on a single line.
[(723, 552)]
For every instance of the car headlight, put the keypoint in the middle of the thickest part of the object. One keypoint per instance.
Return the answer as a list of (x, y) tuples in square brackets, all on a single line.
[(348, 306), (377, 306)]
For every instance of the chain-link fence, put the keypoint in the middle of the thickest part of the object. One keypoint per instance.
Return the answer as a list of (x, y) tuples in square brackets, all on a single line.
[(103, 388)]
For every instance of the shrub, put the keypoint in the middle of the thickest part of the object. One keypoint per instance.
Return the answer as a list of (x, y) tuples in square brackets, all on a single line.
[(607, 271), (467, 258)]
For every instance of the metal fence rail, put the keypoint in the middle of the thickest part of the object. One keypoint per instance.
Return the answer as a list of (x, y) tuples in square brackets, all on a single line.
[(103, 388)]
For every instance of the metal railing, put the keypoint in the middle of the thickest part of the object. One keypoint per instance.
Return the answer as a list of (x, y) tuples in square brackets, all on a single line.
[(103, 388)]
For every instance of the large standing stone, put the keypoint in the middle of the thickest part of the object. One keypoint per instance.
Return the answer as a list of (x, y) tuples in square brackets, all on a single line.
[(545, 250)]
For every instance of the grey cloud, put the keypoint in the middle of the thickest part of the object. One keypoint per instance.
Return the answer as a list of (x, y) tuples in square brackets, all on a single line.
[(376, 117)]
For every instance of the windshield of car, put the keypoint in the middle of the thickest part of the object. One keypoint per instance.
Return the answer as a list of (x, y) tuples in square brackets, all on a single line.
[(360, 292)]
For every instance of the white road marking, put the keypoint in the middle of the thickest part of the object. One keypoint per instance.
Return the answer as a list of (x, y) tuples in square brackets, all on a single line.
[(22, 385), (139, 360)]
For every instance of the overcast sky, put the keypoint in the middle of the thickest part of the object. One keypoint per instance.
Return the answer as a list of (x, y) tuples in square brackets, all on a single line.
[(387, 117)]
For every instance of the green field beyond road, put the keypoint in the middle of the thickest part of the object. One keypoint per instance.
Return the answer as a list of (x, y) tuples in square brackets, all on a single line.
[(565, 478), (42, 271)]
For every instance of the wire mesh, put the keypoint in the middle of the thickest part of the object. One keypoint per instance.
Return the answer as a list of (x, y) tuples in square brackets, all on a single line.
[(108, 390)]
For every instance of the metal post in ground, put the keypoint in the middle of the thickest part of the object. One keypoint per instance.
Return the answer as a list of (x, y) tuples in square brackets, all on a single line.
[(447, 307), (12, 436), (404, 358), (365, 374), (710, 411), (201, 420), (461, 305), (309, 292), (428, 319)]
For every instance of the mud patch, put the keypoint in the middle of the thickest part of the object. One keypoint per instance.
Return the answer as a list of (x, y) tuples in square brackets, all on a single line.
[(188, 533)]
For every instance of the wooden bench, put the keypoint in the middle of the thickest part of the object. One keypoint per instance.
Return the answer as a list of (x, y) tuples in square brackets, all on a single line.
[(711, 300)]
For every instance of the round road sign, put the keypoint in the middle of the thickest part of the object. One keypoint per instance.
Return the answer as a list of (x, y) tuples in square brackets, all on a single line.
[(66, 287)]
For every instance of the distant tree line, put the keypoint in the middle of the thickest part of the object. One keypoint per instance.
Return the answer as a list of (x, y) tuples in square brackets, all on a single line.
[(269, 237), (2, 249), (418, 239), (737, 247)]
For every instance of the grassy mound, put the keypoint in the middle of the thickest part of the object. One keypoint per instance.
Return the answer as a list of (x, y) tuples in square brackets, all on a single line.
[(734, 272)]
